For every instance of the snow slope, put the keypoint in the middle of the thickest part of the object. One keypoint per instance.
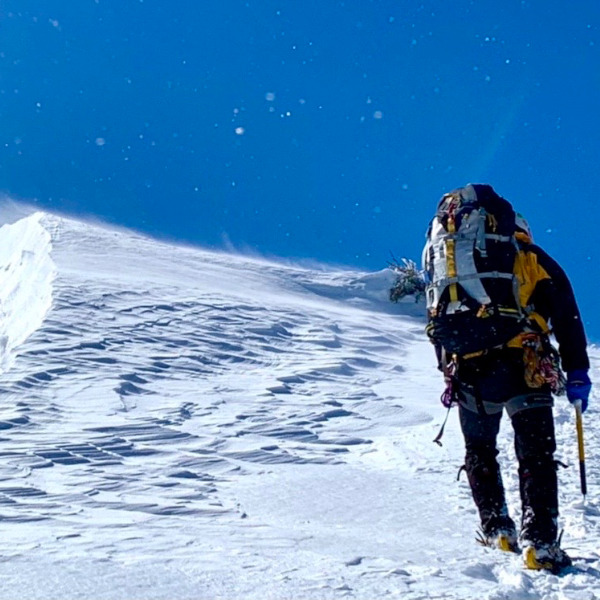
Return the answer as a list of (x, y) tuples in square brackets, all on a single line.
[(177, 423)]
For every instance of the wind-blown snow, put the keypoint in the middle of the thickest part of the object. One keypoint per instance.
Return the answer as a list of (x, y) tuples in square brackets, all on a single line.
[(188, 424)]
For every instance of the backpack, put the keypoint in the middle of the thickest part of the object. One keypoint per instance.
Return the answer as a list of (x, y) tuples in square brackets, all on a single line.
[(472, 292)]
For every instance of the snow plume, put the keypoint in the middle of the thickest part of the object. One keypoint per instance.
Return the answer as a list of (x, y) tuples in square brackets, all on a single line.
[(26, 275)]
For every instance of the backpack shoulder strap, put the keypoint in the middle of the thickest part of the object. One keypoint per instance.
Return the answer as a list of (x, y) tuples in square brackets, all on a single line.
[(529, 273)]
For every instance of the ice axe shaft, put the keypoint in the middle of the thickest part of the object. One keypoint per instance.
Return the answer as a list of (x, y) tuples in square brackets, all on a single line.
[(579, 423)]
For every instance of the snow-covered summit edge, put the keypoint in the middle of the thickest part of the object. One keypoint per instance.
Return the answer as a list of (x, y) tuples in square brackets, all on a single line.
[(235, 271)]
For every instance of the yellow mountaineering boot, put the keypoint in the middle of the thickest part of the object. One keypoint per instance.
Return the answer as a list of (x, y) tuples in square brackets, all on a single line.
[(545, 557), (506, 542), (502, 539)]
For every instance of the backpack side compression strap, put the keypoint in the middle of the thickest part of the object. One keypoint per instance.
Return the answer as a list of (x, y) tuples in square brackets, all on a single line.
[(451, 258)]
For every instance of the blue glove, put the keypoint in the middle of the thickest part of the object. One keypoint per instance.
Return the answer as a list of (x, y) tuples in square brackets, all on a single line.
[(579, 387)]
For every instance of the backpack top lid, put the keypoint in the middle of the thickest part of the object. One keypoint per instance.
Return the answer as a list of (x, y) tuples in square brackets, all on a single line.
[(479, 193), (474, 195)]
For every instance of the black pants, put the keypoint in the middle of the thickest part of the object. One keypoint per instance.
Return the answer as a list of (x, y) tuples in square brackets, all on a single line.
[(535, 445)]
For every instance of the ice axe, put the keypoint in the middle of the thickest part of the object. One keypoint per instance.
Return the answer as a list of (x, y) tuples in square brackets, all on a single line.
[(579, 423)]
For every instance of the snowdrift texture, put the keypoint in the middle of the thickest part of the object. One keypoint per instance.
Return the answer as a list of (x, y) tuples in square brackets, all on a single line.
[(178, 423)]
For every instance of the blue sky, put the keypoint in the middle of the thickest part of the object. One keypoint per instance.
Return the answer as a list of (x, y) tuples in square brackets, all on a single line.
[(321, 129)]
